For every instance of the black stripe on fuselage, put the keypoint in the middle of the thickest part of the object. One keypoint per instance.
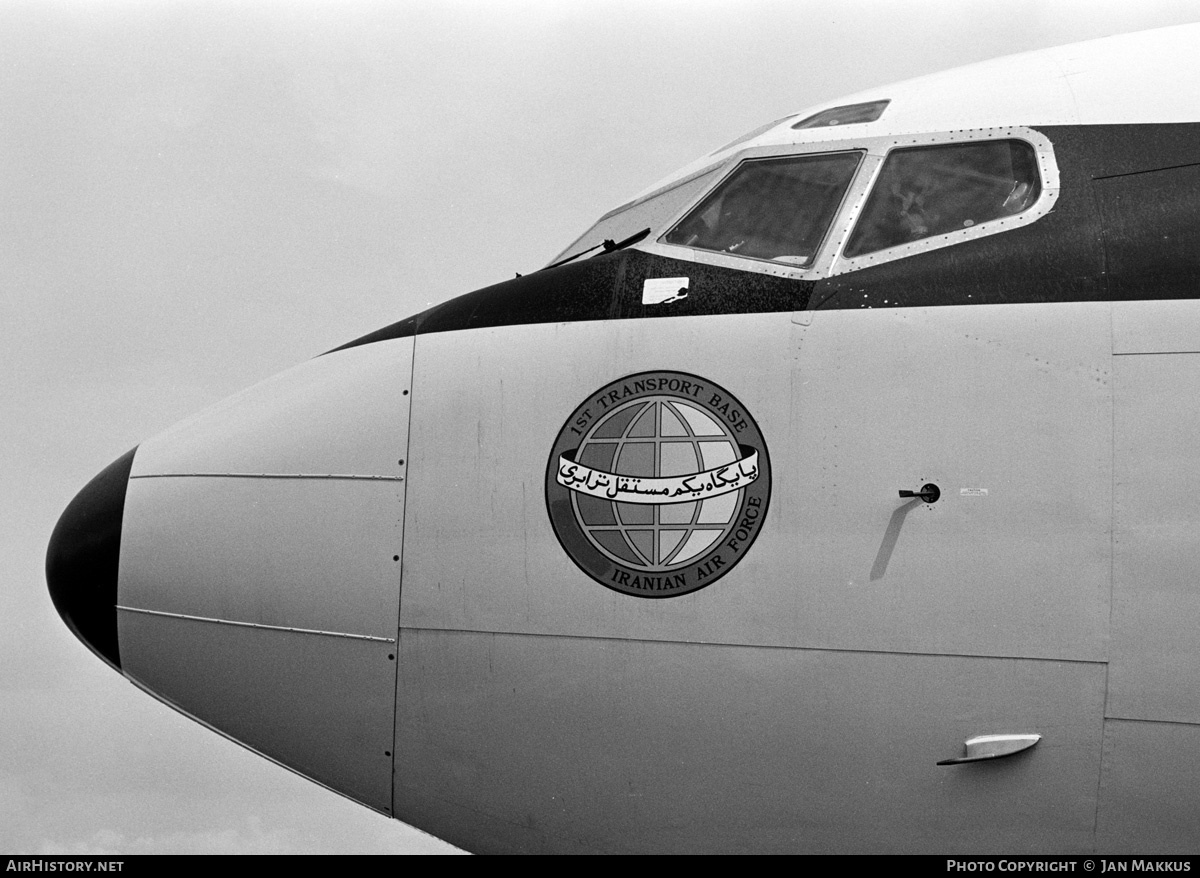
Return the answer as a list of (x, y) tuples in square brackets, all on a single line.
[(1125, 227)]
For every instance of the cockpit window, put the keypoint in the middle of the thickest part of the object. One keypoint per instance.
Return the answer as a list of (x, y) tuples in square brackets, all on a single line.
[(650, 211), (777, 209), (851, 114), (931, 190)]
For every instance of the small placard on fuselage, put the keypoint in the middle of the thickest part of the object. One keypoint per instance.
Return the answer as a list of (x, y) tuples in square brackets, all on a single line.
[(661, 290)]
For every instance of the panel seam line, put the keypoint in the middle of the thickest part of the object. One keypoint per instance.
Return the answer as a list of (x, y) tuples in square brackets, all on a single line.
[(256, 625), (217, 475), (567, 636)]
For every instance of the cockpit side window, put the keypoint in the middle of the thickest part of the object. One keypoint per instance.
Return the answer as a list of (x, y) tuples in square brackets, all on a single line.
[(926, 191), (776, 209)]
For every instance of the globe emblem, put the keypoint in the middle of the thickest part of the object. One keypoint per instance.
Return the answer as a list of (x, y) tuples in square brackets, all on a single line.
[(658, 484), (655, 437)]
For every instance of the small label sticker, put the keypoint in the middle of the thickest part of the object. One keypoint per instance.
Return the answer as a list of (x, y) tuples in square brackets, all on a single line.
[(661, 290), (972, 492)]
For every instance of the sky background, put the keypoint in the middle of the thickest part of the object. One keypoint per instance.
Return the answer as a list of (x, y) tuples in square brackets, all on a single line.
[(194, 196)]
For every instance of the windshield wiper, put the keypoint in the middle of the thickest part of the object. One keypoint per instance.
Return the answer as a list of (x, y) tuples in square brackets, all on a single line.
[(608, 244)]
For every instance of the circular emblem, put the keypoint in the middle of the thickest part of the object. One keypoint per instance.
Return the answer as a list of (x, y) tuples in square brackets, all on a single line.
[(658, 484)]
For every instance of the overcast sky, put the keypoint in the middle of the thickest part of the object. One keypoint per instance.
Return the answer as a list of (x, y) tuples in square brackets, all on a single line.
[(194, 196)]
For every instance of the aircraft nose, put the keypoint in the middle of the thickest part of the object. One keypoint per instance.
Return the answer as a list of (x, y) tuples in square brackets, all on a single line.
[(83, 558)]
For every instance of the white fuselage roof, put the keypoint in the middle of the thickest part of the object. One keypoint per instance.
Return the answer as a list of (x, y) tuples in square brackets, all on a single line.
[(1139, 78)]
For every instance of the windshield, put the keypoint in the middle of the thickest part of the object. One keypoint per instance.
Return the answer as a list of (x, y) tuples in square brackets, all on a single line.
[(777, 209), (652, 212)]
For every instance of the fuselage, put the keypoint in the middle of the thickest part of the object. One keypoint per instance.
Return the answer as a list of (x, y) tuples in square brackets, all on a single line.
[(612, 558)]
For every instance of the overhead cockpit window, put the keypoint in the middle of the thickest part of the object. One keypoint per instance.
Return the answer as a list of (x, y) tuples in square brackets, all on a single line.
[(932, 190), (777, 209), (851, 114)]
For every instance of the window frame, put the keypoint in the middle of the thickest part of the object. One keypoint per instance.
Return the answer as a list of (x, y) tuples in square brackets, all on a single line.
[(1047, 170), (828, 260), (820, 263), (745, 161)]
